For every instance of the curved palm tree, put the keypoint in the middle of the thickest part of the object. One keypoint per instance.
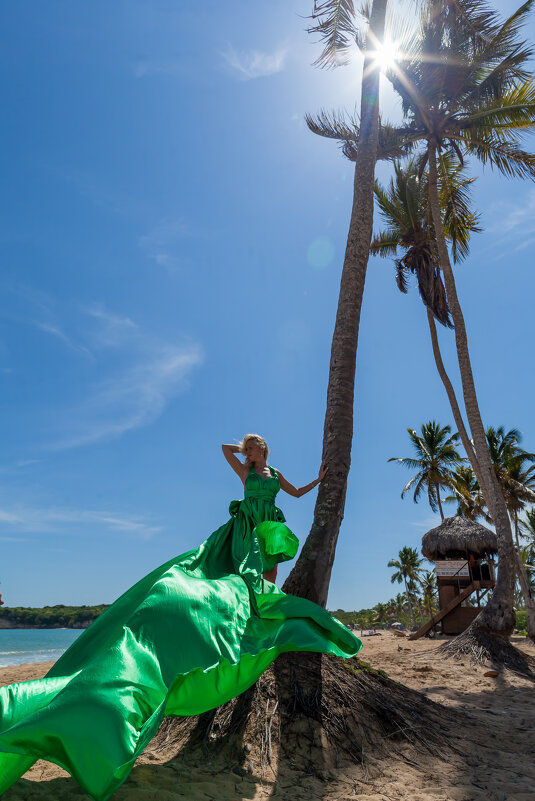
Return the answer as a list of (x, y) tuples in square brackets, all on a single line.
[(336, 22), (404, 206), (466, 90), (472, 98), (408, 568), (435, 456)]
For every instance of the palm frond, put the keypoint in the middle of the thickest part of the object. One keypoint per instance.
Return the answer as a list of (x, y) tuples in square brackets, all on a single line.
[(514, 108), (335, 22), (333, 125), (459, 220), (385, 243), (412, 463), (401, 276), (393, 142), (505, 156)]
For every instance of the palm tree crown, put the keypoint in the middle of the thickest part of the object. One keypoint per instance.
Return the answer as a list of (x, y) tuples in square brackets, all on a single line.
[(435, 456), (408, 568), (404, 206), (464, 84)]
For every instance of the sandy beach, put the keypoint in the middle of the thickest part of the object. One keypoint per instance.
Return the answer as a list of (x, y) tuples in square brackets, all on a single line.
[(491, 760)]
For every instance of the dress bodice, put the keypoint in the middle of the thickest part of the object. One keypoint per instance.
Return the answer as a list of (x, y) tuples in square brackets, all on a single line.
[(258, 514), (257, 486)]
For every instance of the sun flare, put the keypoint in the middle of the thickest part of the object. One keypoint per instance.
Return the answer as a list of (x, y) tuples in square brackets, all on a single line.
[(386, 55)]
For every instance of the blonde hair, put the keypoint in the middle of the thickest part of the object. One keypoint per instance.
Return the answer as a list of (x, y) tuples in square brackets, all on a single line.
[(260, 441)]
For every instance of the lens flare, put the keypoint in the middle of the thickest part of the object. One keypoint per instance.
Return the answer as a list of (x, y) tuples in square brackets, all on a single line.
[(386, 55)]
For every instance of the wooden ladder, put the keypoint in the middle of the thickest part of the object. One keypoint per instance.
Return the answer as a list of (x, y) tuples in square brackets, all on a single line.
[(475, 585)]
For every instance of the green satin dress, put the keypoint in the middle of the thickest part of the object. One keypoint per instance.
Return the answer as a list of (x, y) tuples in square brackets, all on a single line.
[(194, 633)]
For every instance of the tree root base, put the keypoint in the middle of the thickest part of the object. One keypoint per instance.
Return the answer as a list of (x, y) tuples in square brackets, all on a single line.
[(316, 712), (485, 648)]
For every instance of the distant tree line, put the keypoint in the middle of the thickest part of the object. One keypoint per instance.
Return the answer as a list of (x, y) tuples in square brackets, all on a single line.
[(50, 617)]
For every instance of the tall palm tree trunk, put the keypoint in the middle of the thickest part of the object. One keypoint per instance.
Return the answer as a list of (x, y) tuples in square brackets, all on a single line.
[(498, 617), (311, 575), (520, 570), (457, 416)]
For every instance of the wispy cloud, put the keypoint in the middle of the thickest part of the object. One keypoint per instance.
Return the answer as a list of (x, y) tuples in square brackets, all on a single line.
[(132, 399), (35, 520), (160, 242), (131, 376), (131, 396), (35, 308), (513, 226), (520, 216), (56, 331), (111, 330), (255, 63)]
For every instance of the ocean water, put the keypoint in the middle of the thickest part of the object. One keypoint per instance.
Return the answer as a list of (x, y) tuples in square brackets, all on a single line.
[(18, 646)]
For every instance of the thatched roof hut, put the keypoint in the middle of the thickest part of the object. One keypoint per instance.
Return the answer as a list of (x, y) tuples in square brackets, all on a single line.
[(456, 537)]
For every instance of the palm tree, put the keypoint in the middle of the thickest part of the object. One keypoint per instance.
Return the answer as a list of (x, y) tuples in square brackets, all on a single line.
[(435, 456), (381, 613), (527, 530), (407, 570), (336, 23), (414, 592), (467, 494), (466, 90), (428, 583), (472, 98), (517, 482), (404, 207)]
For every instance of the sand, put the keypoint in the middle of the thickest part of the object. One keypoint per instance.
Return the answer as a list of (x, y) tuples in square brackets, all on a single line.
[(492, 759)]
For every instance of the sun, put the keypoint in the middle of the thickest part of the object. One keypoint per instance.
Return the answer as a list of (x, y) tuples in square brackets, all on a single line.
[(386, 55)]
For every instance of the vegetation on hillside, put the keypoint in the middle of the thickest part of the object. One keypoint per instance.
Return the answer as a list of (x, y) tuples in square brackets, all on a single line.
[(51, 617)]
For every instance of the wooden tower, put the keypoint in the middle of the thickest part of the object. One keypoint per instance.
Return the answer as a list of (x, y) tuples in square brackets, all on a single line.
[(462, 551)]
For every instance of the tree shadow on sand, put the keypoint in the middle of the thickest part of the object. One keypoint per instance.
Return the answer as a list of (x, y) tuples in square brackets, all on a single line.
[(309, 721)]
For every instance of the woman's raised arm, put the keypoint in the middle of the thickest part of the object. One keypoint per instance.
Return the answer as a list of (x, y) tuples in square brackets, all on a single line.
[(297, 492), (239, 467)]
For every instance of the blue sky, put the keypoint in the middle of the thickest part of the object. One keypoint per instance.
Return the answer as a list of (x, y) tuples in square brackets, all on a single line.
[(171, 240)]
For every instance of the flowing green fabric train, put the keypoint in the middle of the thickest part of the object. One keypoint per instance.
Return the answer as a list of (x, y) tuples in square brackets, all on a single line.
[(194, 633)]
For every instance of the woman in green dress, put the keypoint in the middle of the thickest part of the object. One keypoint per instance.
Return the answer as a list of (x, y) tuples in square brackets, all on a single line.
[(261, 476), (191, 635)]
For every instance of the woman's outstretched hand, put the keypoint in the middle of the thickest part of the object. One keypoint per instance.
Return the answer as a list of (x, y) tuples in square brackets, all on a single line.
[(323, 471)]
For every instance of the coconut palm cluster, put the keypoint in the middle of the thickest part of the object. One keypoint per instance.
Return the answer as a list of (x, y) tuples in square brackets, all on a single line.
[(442, 470), (464, 80)]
